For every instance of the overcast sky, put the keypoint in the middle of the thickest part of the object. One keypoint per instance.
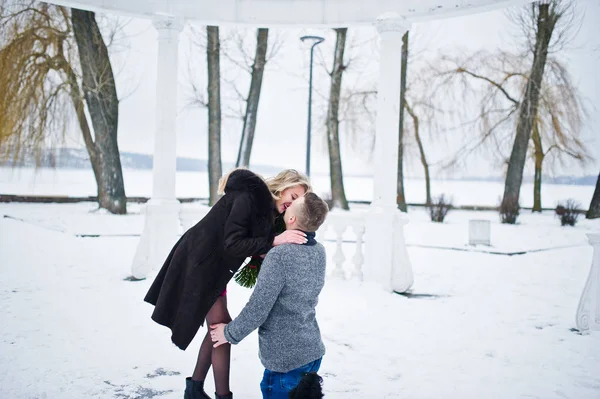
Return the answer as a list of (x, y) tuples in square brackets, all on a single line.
[(281, 127)]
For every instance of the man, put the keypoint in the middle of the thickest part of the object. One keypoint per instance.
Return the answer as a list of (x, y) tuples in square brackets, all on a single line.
[(283, 303)]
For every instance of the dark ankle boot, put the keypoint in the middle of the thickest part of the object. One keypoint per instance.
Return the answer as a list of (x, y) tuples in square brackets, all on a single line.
[(194, 389), (228, 396), (188, 388)]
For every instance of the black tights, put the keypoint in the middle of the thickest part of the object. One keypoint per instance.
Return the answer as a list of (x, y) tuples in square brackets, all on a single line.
[(219, 357)]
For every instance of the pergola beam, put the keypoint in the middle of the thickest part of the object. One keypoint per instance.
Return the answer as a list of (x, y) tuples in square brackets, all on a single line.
[(290, 13)]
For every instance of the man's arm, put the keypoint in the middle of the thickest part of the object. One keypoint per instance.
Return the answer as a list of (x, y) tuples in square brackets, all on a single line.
[(269, 284)]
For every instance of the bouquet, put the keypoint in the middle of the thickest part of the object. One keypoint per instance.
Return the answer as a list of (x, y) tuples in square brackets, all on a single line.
[(247, 275)]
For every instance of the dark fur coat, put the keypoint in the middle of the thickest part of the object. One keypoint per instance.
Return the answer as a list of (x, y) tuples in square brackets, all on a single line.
[(205, 258)]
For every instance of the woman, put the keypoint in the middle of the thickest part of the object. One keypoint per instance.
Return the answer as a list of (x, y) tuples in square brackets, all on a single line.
[(190, 286)]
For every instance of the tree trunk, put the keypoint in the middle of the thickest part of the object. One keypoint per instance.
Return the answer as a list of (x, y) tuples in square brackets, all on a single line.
[(528, 108), (84, 126), (260, 59), (539, 160), (214, 112), (401, 199), (415, 119), (338, 195), (100, 93), (594, 209)]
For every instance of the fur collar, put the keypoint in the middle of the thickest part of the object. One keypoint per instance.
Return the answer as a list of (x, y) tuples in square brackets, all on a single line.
[(243, 180)]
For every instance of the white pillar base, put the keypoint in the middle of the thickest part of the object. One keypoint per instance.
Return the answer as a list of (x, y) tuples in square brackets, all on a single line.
[(402, 274), (588, 311), (161, 231), (387, 262)]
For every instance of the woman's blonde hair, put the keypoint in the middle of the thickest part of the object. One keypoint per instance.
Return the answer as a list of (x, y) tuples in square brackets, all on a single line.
[(285, 179)]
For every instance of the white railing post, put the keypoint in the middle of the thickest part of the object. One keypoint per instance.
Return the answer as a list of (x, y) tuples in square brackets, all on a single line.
[(358, 258), (339, 227), (588, 312)]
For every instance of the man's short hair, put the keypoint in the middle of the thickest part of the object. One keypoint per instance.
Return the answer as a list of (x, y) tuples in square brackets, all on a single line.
[(313, 212)]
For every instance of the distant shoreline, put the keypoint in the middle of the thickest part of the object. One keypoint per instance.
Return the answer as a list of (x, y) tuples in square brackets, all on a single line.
[(587, 180)]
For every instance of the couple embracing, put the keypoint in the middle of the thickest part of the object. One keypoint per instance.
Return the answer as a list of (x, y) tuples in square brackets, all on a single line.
[(191, 285)]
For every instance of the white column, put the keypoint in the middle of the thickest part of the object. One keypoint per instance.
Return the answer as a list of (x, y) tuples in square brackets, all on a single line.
[(387, 261), (162, 226), (588, 311)]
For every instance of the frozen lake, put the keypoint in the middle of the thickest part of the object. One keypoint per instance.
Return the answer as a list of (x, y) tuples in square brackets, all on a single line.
[(138, 183)]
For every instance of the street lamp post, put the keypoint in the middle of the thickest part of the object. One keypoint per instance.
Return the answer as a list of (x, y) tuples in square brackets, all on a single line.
[(317, 40)]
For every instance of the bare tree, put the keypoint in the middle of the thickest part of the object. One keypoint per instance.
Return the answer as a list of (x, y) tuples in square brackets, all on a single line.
[(418, 99), (235, 59), (227, 56), (258, 68), (423, 157), (540, 100), (547, 16), (38, 74), (401, 198), (100, 92), (556, 126), (338, 195), (214, 111), (594, 209)]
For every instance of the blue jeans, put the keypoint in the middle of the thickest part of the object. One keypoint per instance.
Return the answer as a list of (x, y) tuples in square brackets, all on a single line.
[(276, 385)]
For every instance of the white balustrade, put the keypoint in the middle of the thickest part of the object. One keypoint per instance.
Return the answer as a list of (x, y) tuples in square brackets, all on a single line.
[(341, 223), (342, 227)]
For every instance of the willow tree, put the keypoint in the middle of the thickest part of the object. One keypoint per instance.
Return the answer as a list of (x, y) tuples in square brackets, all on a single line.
[(525, 103), (496, 83), (54, 61)]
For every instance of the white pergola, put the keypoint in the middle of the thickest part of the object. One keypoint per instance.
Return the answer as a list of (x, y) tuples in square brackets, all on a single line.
[(386, 255)]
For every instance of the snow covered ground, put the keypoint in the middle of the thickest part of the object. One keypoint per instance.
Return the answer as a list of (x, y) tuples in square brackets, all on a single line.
[(479, 325)]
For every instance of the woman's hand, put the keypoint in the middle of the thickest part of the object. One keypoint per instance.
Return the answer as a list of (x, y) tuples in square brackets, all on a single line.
[(290, 237)]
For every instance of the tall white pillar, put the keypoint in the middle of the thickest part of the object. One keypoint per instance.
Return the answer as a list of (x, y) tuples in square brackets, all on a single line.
[(588, 311), (162, 226), (387, 260)]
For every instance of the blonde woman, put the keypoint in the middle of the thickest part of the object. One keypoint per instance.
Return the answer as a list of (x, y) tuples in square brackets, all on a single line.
[(190, 286)]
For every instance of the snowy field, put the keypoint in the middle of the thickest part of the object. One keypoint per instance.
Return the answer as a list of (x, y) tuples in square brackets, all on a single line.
[(479, 325), (138, 183)]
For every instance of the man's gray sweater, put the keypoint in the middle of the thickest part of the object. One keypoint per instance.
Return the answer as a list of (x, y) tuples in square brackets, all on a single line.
[(282, 307)]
